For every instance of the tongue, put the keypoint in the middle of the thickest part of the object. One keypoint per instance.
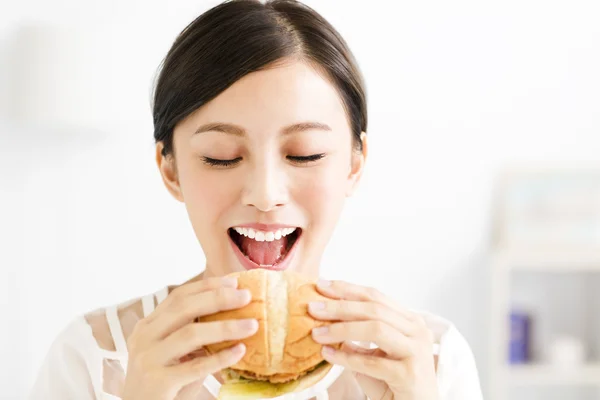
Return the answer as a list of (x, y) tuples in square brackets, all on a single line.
[(265, 253)]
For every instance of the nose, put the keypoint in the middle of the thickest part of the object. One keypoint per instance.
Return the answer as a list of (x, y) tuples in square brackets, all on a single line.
[(266, 187)]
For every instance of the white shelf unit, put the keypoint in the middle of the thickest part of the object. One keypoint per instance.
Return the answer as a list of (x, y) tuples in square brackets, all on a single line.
[(505, 262), (566, 259), (540, 374)]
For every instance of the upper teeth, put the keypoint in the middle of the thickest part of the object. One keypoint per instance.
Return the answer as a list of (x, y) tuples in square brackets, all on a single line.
[(262, 236)]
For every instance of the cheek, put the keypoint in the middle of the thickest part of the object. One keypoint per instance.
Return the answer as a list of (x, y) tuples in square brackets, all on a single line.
[(206, 198), (322, 194)]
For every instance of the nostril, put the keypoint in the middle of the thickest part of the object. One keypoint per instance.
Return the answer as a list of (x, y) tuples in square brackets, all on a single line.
[(265, 206)]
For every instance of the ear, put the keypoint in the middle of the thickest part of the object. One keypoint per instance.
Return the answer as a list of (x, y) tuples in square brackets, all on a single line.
[(359, 157), (168, 172)]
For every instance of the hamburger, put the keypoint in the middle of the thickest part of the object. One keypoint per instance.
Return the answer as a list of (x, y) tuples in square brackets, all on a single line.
[(281, 357)]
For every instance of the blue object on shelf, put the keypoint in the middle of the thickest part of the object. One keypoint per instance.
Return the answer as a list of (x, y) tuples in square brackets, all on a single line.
[(520, 338)]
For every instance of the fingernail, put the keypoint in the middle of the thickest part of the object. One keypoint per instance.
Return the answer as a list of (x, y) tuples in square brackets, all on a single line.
[(250, 324), (328, 351), (238, 348), (316, 305), (322, 283), (229, 281), (243, 294), (320, 330)]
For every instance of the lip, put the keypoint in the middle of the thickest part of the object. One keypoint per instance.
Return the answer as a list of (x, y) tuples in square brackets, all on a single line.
[(265, 227), (249, 264)]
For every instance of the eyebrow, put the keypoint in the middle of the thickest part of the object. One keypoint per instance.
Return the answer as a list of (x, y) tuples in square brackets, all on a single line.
[(239, 131)]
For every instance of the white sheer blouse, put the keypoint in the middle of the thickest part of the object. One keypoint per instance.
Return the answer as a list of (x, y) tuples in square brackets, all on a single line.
[(88, 360)]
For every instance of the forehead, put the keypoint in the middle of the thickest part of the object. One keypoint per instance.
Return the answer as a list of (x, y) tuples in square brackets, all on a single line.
[(275, 97)]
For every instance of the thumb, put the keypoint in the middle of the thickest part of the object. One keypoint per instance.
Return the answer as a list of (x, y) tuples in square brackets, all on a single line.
[(372, 387), (192, 391)]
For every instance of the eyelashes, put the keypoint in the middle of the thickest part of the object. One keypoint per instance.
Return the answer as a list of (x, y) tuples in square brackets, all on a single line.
[(221, 163), (214, 162), (306, 159)]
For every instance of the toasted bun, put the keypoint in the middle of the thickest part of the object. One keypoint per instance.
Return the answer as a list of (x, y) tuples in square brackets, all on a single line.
[(282, 349)]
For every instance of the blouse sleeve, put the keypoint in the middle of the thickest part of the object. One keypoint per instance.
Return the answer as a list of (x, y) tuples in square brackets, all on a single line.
[(67, 371), (458, 378)]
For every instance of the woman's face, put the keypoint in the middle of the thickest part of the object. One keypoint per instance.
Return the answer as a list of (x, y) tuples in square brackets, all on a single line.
[(264, 169)]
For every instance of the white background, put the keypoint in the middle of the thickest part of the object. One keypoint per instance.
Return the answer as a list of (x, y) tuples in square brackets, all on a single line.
[(457, 91)]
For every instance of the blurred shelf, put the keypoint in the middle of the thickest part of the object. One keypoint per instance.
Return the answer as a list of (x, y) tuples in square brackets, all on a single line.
[(559, 259), (547, 375)]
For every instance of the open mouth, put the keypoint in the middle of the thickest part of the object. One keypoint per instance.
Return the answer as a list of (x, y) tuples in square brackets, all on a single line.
[(261, 249)]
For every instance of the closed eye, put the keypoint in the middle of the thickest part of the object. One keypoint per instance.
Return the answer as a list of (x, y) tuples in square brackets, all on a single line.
[(306, 159), (221, 163), (227, 163)]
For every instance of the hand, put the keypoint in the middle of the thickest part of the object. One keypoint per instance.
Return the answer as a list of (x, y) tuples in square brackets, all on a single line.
[(402, 367), (158, 367)]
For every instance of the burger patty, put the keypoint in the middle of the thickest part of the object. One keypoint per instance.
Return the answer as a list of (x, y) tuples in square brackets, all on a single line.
[(277, 378)]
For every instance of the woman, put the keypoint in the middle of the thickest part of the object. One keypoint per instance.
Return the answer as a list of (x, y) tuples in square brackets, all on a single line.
[(260, 127)]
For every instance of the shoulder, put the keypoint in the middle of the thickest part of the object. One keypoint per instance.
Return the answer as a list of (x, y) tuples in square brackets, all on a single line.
[(67, 368), (75, 364), (75, 335), (72, 342), (458, 377), (120, 319), (96, 328), (126, 315)]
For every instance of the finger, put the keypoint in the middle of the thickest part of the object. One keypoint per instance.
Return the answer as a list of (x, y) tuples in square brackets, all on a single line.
[(377, 367), (344, 310), (183, 309), (352, 347), (191, 391), (374, 388), (392, 342), (193, 287), (341, 290), (194, 336), (200, 368), (205, 284), (190, 356)]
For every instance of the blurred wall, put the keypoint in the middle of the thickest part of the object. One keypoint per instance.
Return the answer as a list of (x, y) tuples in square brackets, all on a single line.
[(457, 90)]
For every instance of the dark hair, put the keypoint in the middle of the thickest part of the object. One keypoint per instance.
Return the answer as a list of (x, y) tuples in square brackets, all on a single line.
[(238, 37)]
